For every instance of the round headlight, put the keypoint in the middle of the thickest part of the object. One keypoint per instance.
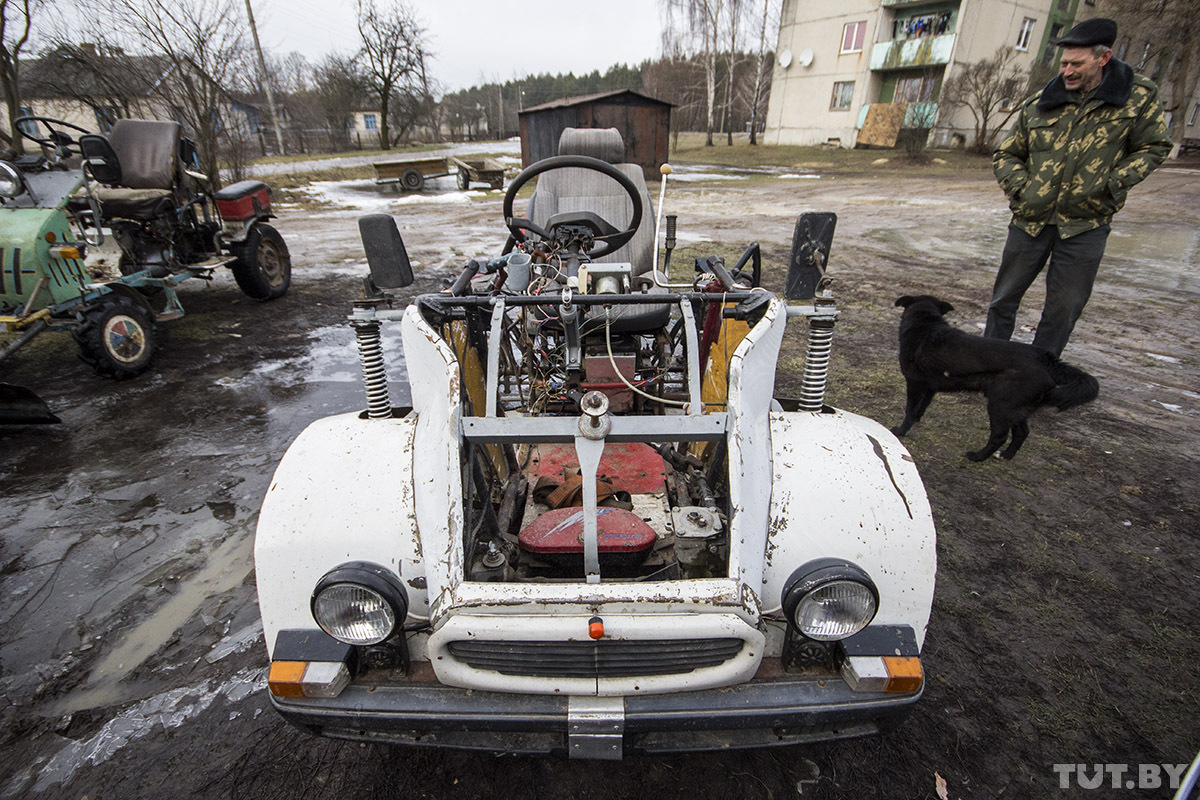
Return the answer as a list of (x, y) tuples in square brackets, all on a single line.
[(360, 603), (11, 182), (830, 599)]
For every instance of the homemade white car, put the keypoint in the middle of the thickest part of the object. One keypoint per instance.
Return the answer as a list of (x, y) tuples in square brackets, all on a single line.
[(596, 531)]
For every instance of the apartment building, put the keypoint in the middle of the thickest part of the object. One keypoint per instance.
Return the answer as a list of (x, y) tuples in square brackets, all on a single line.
[(835, 62)]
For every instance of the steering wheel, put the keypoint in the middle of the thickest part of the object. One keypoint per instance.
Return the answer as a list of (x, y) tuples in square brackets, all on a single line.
[(610, 241), (56, 138)]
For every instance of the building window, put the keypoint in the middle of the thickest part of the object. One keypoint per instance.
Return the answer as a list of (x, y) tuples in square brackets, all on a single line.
[(29, 128), (1192, 118), (843, 93), (922, 25), (1048, 53), (1025, 34), (852, 37), (369, 121), (105, 117), (918, 89)]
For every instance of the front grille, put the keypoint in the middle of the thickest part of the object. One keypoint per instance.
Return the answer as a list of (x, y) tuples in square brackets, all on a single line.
[(602, 659)]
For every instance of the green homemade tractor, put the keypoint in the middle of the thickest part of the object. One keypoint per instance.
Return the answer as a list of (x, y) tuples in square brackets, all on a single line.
[(140, 186)]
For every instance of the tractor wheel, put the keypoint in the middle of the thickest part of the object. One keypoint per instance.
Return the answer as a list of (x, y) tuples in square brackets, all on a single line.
[(263, 269), (464, 179), (412, 180), (117, 338)]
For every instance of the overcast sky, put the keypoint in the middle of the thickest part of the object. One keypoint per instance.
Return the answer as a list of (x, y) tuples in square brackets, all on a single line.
[(480, 40)]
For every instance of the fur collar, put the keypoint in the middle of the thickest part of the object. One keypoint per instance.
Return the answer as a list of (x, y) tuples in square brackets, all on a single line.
[(1114, 89)]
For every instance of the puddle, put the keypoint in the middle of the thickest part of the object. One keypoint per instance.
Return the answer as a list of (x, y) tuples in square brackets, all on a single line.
[(225, 569), (163, 712), (1162, 257)]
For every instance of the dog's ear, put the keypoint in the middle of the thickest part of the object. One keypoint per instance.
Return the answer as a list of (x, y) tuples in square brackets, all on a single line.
[(944, 307), (905, 301)]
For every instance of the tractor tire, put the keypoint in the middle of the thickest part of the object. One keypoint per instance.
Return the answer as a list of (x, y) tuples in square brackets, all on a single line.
[(117, 338), (263, 269), (464, 179), (412, 180)]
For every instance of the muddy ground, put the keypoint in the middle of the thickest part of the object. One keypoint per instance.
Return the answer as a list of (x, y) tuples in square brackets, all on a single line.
[(1063, 627)]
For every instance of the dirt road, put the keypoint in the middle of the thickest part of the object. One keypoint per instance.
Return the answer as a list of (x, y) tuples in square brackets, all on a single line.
[(1064, 623)]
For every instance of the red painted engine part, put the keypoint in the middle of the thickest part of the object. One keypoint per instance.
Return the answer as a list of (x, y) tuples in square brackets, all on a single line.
[(623, 536)]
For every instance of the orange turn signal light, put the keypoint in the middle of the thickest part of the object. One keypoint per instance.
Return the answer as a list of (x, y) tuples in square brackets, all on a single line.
[(904, 673), (596, 628), (66, 251), (285, 677)]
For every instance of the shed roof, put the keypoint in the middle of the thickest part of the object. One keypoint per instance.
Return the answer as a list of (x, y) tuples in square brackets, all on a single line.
[(567, 102)]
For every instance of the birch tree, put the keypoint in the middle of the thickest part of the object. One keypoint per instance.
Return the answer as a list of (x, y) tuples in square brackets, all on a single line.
[(702, 24)]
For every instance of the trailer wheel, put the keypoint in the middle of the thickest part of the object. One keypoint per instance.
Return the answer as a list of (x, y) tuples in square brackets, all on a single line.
[(263, 269), (464, 179), (412, 180), (117, 338)]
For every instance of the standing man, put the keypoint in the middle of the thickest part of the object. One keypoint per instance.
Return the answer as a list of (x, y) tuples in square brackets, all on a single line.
[(1077, 147)]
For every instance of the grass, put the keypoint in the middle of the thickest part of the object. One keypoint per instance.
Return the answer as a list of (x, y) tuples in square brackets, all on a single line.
[(689, 149)]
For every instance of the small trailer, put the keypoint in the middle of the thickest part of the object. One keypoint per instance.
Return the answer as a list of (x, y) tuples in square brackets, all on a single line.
[(410, 174)]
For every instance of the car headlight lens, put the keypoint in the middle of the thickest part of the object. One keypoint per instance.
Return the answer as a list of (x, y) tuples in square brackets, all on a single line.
[(360, 603), (830, 599), (11, 183), (835, 611)]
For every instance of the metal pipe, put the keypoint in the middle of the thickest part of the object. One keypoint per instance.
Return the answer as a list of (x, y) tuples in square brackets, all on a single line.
[(30, 332)]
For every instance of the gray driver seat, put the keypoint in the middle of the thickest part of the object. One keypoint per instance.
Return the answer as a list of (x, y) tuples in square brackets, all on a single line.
[(148, 154), (575, 189)]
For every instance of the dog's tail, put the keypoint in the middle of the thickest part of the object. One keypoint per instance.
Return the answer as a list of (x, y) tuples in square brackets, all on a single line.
[(1074, 387)]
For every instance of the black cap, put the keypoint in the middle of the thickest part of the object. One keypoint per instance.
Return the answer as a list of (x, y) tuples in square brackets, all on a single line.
[(1090, 32)]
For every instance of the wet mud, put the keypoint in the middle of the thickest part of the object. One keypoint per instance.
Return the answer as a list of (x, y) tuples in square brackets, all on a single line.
[(1063, 628)]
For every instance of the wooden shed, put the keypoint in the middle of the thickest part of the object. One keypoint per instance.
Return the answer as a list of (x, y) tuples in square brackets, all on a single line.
[(644, 123)]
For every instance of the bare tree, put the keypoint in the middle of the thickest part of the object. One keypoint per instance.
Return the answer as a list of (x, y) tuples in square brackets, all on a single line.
[(991, 90), (197, 59), (393, 46), (1161, 39), (16, 20), (702, 22), (762, 65), (339, 89), (734, 12)]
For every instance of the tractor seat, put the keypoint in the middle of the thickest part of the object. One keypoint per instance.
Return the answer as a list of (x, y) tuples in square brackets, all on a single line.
[(145, 176), (576, 189)]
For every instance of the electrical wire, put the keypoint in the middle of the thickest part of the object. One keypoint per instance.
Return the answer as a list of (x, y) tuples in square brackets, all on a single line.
[(612, 361)]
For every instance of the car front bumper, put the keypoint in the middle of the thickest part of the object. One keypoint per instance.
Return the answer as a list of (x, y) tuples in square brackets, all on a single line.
[(760, 713)]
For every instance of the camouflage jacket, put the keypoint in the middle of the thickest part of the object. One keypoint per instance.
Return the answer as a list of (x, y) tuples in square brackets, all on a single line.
[(1071, 163)]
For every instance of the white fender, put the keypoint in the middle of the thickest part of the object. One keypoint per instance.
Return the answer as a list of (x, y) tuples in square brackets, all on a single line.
[(343, 492), (844, 487)]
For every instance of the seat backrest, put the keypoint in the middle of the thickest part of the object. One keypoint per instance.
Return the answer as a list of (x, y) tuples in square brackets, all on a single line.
[(574, 189), (148, 152)]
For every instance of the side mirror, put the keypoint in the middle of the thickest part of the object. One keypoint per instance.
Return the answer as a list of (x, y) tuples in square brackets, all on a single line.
[(810, 253), (390, 268), (100, 159)]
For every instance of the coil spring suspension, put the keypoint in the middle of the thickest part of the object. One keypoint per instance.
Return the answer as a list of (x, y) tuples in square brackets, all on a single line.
[(370, 353), (816, 364)]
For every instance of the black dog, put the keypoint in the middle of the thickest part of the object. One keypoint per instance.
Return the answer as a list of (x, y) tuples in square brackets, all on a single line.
[(1016, 378)]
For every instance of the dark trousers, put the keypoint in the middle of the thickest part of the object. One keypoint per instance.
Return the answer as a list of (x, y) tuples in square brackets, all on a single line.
[(1073, 266)]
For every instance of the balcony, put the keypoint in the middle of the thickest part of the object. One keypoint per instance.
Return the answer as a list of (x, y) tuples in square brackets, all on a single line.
[(904, 53)]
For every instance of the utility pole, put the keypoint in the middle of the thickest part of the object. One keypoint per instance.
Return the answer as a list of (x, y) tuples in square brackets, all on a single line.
[(262, 77)]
